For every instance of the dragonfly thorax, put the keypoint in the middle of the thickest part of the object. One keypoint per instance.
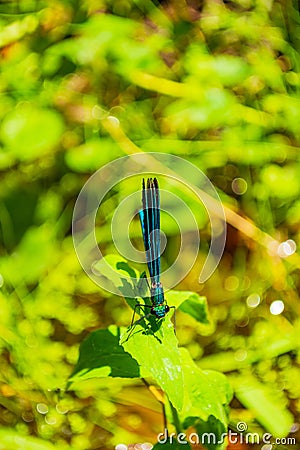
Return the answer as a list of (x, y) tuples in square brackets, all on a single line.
[(160, 310), (159, 306)]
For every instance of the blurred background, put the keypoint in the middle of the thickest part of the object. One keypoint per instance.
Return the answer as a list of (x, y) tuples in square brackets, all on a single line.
[(85, 82)]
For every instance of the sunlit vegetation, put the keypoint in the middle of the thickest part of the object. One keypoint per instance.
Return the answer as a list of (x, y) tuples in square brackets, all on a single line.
[(83, 83)]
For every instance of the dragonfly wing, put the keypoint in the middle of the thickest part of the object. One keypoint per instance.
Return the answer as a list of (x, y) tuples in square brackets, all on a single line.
[(150, 222), (144, 229), (156, 231)]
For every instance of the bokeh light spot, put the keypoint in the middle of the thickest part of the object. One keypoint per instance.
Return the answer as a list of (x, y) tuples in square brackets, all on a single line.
[(286, 248), (42, 408), (253, 300), (114, 121), (276, 307), (231, 283), (239, 186), (295, 427)]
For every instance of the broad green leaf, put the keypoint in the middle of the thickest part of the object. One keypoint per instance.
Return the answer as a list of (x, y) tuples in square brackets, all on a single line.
[(113, 266), (206, 392), (156, 350), (117, 271), (196, 306), (211, 434), (206, 397), (191, 303), (30, 132), (12, 440), (101, 355), (265, 404)]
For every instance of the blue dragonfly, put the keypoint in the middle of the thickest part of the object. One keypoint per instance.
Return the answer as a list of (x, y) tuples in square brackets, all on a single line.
[(150, 223)]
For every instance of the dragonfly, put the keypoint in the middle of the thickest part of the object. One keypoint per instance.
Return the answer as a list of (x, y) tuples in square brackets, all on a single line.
[(150, 223)]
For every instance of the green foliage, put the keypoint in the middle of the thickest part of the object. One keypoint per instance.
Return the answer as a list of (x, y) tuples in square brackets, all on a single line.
[(81, 84), (196, 396), (262, 401), (101, 355), (158, 356)]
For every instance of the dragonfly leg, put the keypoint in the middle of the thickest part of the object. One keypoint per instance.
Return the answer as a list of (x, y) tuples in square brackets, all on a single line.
[(138, 305), (133, 324)]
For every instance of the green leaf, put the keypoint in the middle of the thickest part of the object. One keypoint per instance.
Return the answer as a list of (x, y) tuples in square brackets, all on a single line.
[(265, 404), (206, 391), (191, 303), (30, 132), (128, 281), (156, 351), (206, 397), (133, 286), (101, 355), (210, 433), (117, 272), (196, 307)]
